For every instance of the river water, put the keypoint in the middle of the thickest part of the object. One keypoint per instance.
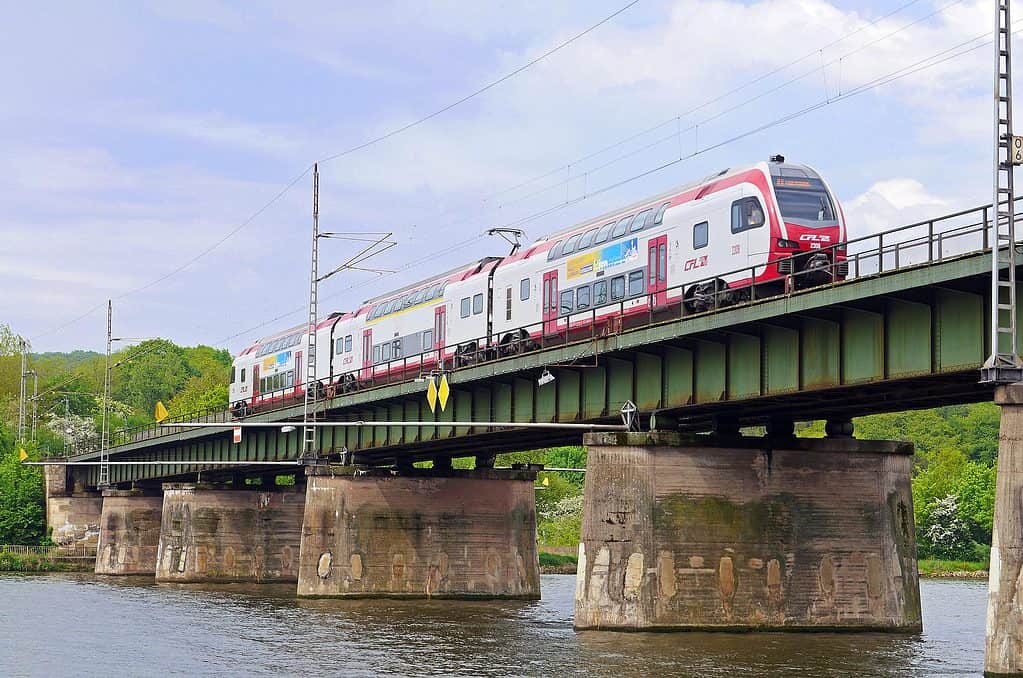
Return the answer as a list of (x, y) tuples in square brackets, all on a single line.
[(83, 625)]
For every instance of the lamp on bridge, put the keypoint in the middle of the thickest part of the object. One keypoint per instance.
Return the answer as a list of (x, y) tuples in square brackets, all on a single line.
[(545, 377)]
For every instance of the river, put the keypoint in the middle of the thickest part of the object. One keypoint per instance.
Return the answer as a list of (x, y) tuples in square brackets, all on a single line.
[(83, 625)]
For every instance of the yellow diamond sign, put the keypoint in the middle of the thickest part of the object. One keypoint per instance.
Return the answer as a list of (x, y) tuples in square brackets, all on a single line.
[(431, 394), (443, 392)]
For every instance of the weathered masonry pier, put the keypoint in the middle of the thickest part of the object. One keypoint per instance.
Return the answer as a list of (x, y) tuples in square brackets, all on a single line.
[(692, 532)]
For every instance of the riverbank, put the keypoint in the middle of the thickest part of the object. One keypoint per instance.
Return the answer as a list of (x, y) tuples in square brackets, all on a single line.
[(556, 563), (32, 562), (951, 569)]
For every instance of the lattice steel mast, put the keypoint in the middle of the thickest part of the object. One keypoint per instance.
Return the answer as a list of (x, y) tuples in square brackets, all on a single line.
[(104, 439), (1004, 365), (309, 404)]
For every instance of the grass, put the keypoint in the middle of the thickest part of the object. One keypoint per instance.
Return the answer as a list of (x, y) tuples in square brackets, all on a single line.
[(14, 562), (554, 560), (933, 566)]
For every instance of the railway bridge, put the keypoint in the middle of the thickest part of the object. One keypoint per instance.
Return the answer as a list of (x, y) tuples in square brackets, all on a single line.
[(707, 513)]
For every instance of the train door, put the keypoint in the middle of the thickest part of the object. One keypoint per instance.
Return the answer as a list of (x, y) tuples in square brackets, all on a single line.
[(367, 354), (657, 271), (550, 302), (299, 377), (440, 325)]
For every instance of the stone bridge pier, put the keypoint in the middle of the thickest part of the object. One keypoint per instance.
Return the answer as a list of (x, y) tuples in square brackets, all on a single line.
[(419, 533), (72, 512), (686, 532), (129, 533)]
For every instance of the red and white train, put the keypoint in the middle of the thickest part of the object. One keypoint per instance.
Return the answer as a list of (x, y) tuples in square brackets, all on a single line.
[(702, 245)]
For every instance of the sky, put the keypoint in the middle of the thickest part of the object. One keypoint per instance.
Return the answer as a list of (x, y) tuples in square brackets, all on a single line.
[(139, 135)]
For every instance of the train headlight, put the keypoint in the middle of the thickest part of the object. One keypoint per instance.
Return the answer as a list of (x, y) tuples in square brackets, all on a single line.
[(787, 244)]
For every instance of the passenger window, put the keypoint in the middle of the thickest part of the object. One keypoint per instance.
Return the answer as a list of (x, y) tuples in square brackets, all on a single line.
[(635, 283), (570, 245), (700, 235), (599, 292), (554, 252), (243, 375), (418, 297), (746, 214), (659, 217), (348, 344), (524, 289), (604, 233), (339, 346), (587, 238), (640, 222), (385, 351), (427, 340), (396, 344), (618, 288), (232, 374), (477, 304), (546, 294), (466, 307), (582, 298), (376, 354), (566, 302), (621, 227)]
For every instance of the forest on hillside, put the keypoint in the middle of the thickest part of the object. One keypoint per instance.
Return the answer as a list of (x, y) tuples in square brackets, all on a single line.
[(954, 465)]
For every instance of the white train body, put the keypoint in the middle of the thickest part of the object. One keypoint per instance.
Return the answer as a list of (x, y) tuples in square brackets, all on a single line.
[(696, 246)]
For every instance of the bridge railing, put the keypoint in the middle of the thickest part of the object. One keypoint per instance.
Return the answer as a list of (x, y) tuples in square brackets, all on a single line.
[(920, 243), (73, 551)]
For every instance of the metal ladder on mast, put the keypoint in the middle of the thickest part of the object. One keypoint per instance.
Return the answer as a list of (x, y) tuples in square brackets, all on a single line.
[(309, 405)]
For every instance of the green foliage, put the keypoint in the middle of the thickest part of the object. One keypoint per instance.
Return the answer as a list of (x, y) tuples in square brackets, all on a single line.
[(15, 562), (555, 560), (22, 498), (152, 371)]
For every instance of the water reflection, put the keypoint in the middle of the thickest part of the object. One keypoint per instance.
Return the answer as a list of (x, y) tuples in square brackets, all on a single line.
[(85, 625)]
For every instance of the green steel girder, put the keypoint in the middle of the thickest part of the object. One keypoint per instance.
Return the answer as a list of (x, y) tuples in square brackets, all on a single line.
[(911, 338)]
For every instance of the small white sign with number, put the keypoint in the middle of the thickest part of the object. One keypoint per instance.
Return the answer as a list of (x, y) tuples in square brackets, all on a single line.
[(1016, 150)]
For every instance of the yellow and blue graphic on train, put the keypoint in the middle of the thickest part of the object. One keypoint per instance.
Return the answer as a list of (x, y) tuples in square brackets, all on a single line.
[(276, 362), (606, 257)]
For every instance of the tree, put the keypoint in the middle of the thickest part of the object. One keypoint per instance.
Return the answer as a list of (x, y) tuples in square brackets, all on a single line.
[(22, 496), (152, 371)]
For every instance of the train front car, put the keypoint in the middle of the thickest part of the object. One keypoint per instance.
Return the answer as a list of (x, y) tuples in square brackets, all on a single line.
[(810, 249)]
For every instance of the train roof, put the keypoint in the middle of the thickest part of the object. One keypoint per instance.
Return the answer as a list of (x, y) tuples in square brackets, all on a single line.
[(449, 276)]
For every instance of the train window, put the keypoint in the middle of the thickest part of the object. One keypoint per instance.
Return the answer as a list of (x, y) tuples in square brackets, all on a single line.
[(507, 303), (232, 374), (524, 289), (635, 283), (385, 351), (640, 222), (570, 245), (243, 375), (477, 304), (427, 340), (348, 344), (618, 288), (567, 297), (621, 227), (554, 252), (396, 347), (604, 233), (465, 307), (582, 297), (700, 235), (339, 345), (746, 214), (290, 379), (599, 292), (376, 354), (662, 262), (587, 239), (418, 297), (659, 217)]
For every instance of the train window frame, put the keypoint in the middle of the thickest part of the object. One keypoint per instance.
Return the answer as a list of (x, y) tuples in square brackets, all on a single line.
[(417, 298), (555, 252), (477, 303), (243, 375), (465, 307), (339, 346), (600, 287), (563, 308), (659, 217), (396, 348), (621, 227), (604, 234), (385, 351), (524, 286), (739, 223), (586, 242), (290, 379), (637, 278), (232, 374), (427, 340), (376, 354), (508, 303), (701, 228), (618, 280), (571, 245), (582, 297), (642, 223)]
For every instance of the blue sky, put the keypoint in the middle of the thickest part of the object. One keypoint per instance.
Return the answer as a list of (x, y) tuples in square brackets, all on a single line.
[(138, 134)]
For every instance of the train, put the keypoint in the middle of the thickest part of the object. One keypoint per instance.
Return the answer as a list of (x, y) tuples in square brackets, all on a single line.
[(744, 231)]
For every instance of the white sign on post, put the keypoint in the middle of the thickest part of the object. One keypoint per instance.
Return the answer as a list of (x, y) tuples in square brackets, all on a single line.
[(237, 434), (1016, 150)]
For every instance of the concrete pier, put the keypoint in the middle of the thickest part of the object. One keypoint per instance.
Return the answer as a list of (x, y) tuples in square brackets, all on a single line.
[(419, 534), (129, 532), (215, 533), (703, 532), (72, 514), (1003, 655)]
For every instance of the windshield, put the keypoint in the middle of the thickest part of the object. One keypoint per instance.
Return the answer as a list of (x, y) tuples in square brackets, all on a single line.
[(809, 207)]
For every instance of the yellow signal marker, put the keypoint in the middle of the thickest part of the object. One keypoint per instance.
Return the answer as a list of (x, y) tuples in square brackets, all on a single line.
[(546, 481), (431, 394), (443, 392), (22, 454), (161, 412)]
